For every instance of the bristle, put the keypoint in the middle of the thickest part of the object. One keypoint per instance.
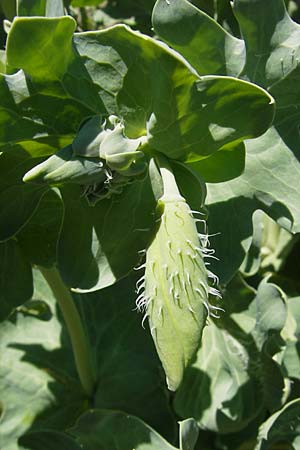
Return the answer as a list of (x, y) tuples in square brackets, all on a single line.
[(174, 292)]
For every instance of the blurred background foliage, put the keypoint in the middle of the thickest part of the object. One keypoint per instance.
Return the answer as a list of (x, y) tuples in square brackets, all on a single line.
[(99, 14)]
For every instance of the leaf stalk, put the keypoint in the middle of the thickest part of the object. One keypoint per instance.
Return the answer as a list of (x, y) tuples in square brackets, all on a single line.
[(171, 191), (79, 341)]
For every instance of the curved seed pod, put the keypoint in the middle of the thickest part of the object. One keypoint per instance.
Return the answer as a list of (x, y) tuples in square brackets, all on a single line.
[(175, 286)]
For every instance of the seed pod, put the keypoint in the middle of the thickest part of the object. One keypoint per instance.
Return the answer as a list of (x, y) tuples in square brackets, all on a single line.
[(175, 286)]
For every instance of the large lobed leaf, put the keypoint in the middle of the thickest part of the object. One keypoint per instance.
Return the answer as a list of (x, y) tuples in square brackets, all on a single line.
[(104, 429), (184, 116), (38, 381), (283, 426), (16, 279), (268, 55), (37, 378), (234, 377)]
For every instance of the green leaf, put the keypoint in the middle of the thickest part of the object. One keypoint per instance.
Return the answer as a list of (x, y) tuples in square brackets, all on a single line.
[(48, 440), (207, 114), (190, 185), (14, 126), (290, 333), (281, 427), (270, 181), (105, 429), (119, 341), (188, 434), (190, 120), (34, 58), (204, 43), (48, 101), (49, 8), (225, 114), (38, 239), (234, 376), (16, 278), (230, 160), (41, 124), (108, 236), (244, 439), (252, 261), (38, 382), (264, 31), (17, 200), (270, 245)]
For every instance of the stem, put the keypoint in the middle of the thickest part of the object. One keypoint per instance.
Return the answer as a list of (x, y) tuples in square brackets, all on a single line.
[(80, 346), (84, 19), (171, 191)]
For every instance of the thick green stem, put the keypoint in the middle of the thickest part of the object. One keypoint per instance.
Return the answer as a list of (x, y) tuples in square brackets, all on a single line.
[(171, 191), (75, 328)]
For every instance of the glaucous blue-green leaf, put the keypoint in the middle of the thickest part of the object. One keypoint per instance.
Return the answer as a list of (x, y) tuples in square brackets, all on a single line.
[(281, 428), (44, 103), (188, 434), (191, 120), (16, 278), (221, 119), (202, 41), (271, 178), (70, 82), (15, 126), (269, 183), (128, 370), (111, 235), (270, 245), (108, 236), (223, 165), (191, 116), (190, 185), (234, 377), (48, 440), (38, 381), (38, 238), (101, 429), (246, 437), (231, 109), (290, 333), (17, 200), (40, 123), (271, 39), (252, 260)]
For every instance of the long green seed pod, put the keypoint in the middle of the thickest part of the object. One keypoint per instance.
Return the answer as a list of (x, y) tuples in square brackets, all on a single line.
[(175, 289)]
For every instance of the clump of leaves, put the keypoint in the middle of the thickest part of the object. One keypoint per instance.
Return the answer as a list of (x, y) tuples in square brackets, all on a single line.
[(104, 153)]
